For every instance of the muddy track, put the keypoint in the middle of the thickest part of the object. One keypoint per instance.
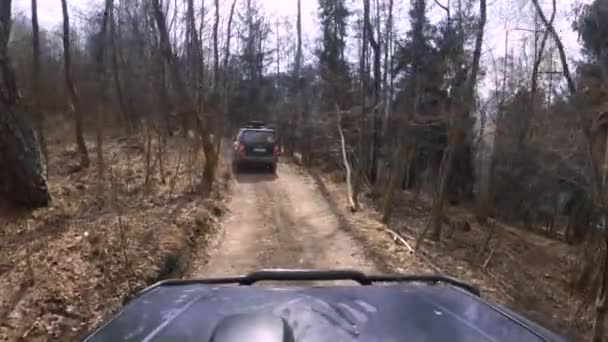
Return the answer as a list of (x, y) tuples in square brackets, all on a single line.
[(280, 221)]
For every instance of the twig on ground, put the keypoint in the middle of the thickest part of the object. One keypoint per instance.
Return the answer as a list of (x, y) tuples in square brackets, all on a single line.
[(502, 285), (397, 237), (174, 178), (422, 235), (429, 262), (124, 246), (486, 243), (487, 262)]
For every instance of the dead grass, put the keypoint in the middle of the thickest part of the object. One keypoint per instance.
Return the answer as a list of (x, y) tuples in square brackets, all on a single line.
[(527, 272), (65, 268)]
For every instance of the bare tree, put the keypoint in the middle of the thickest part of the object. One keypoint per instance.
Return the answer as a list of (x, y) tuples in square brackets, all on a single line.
[(227, 59), (116, 75), (195, 55), (298, 116), (595, 135), (216, 53), (457, 131), (185, 97), (363, 150), (36, 89), (102, 82), (75, 100), (560, 47), (388, 64), (11, 94), (405, 144), (298, 64)]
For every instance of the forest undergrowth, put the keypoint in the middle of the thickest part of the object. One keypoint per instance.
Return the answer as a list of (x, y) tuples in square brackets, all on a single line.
[(65, 268)]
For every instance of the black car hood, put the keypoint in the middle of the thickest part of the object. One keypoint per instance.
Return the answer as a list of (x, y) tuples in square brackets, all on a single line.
[(396, 312)]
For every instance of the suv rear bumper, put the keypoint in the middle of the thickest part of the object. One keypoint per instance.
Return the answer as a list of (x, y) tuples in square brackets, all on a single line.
[(252, 160)]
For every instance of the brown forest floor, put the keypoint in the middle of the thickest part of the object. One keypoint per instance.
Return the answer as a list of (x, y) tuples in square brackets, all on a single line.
[(528, 272), (66, 267)]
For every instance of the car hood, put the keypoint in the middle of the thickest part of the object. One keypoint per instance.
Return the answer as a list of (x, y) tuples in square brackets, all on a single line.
[(397, 312)]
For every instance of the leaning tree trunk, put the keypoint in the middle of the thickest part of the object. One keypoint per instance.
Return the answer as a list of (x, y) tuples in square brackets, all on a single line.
[(21, 176), (67, 57)]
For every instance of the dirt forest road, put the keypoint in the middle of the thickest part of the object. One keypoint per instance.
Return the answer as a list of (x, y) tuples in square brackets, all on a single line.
[(280, 221)]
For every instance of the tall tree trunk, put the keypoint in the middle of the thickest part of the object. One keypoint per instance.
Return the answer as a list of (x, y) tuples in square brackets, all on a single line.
[(36, 89), (384, 173), (376, 46), (201, 65), (298, 66), (76, 108), (278, 32), (194, 53), (185, 96), (116, 76), (388, 67), (458, 130), (227, 60), (363, 144), (299, 116), (11, 95), (21, 179), (221, 120), (102, 85), (216, 53), (402, 153)]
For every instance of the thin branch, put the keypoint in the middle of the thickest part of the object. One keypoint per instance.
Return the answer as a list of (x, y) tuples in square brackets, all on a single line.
[(560, 46), (445, 8), (397, 237), (539, 57)]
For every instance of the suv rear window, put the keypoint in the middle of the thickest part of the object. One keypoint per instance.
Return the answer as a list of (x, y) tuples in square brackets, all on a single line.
[(257, 137)]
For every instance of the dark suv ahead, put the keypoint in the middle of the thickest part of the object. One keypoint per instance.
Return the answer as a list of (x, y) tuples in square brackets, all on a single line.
[(255, 145)]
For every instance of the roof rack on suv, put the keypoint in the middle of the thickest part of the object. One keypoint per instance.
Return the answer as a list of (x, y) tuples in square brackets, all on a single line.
[(256, 124)]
